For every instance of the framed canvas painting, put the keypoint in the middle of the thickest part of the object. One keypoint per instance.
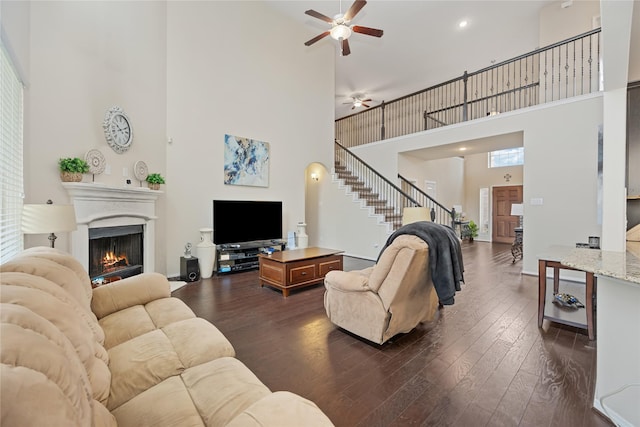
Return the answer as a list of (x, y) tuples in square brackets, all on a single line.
[(246, 161)]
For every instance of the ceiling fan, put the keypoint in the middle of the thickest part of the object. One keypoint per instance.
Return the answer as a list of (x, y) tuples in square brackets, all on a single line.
[(358, 102), (340, 28)]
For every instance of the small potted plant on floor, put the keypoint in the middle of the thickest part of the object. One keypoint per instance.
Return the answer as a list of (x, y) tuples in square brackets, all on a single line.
[(72, 168), (154, 180), (471, 231)]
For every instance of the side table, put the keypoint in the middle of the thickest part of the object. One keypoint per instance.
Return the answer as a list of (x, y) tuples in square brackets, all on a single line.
[(552, 259)]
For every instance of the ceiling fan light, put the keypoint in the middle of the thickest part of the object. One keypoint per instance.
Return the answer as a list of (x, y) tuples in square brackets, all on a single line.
[(340, 31), (357, 103)]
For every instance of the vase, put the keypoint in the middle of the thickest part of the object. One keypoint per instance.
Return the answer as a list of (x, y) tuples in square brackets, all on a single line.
[(301, 236), (153, 185), (206, 253), (70, 176)]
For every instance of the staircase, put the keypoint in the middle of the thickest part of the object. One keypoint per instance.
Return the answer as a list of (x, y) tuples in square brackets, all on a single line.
[(380, 194), (366, 194)]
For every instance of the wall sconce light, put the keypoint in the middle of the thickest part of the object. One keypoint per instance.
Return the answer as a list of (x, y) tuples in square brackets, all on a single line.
[(49, 218), (314, 176)]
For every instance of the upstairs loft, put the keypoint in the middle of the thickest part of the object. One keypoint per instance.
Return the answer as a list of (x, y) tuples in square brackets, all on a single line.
[(559, 71)]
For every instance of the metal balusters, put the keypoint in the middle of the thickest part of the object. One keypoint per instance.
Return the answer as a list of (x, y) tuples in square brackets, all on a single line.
[(517, 83)]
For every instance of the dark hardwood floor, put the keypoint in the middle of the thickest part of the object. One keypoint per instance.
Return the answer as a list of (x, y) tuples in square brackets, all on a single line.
[(483, 361)]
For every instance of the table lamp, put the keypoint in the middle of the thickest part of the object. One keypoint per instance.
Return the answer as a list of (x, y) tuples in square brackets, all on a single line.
[(48, 218), (517, 209)]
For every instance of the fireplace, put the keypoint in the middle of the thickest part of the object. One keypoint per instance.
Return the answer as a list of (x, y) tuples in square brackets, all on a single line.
[(116, 251), (105, 215)]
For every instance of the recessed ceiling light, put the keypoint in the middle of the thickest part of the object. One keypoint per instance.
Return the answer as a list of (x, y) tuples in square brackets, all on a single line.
[(462, 148), (463, 23)]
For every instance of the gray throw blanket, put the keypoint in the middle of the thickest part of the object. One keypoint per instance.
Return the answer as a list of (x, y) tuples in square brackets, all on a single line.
[(445, 256)]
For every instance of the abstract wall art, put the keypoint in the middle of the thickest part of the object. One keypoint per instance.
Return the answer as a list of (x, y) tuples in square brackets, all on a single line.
[(246, 161)]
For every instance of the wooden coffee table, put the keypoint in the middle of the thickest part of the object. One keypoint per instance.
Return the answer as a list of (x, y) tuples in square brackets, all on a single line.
[(298, 268)]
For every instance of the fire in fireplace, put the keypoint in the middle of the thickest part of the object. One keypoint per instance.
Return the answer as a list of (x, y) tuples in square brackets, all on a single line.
[(115, 251)]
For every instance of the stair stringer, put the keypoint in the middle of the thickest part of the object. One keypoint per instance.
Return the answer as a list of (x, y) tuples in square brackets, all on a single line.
[(355, 196)]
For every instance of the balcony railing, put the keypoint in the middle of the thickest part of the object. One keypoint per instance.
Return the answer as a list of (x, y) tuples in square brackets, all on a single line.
[(562, 70)]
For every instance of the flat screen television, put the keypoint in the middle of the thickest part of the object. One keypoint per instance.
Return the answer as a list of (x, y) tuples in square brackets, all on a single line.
[(236, 221)]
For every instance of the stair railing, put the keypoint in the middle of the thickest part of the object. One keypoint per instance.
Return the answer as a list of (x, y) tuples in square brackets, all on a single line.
[(439, 213), (376, 187)]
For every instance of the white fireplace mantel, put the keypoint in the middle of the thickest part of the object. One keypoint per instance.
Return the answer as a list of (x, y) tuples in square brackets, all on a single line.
[(97, 205)]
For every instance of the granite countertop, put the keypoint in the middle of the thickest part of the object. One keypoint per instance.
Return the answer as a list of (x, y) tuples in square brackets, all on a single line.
[(621, 265)]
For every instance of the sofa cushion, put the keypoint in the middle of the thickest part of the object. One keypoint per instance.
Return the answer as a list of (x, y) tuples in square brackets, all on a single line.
[(62, 258), (139, 364), (40, 369), (281, 409), (167, 404), (134, 290), (46, 285), (58, 274), (65, 319), (210, 394), (134, 321), (126, 324), (197, 341), (165, 311), (222, 389)]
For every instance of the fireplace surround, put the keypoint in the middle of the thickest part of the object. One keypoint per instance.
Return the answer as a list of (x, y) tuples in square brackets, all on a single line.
[(101, 207)]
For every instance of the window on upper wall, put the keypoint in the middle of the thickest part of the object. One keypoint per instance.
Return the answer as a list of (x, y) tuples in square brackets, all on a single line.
[(11, 178), (507, 157)]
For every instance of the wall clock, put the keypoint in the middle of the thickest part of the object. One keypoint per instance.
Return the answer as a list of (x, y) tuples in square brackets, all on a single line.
[(117, 130)]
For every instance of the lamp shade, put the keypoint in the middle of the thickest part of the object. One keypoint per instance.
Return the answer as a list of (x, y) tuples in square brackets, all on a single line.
[(415, 214), (517, 209), (40, 219)]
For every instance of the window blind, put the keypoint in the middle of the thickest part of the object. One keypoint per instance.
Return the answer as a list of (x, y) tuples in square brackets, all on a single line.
[(11, 174)]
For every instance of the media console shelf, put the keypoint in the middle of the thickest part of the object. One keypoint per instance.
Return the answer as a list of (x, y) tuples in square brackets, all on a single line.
[(244, 255)]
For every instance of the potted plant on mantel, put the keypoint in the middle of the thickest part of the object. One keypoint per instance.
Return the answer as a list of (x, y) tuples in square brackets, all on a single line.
[(72, 168), (154, 180)]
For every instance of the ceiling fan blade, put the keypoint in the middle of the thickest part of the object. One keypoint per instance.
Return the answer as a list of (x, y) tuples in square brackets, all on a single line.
[(353, 107), (319, 15), (367, 100), (316, 38), (365, 105), (368, 31), (354, 9), (345, 47)]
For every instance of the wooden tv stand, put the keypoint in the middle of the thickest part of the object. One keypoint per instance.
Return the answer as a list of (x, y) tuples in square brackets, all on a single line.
[(298, 268)]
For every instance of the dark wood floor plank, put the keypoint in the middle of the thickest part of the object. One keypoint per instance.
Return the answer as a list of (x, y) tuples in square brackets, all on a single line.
[(482, 361)]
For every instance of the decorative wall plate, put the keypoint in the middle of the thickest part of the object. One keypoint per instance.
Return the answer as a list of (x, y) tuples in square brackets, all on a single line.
[(95, 160), (140, 170)]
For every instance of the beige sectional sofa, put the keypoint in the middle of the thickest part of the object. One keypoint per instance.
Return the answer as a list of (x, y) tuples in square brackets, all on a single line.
[(124, 354)]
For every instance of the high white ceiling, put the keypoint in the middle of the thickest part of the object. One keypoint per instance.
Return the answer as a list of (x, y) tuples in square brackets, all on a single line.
[(422, 43)]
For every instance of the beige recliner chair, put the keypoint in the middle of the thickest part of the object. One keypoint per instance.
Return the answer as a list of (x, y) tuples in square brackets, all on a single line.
[(391, 297)]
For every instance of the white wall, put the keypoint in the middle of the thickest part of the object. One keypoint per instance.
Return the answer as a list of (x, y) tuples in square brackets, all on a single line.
[(477, 175), (448, 174), (229, 70), (337, 219), (555, 136), (82, 58), (191, 71), (557, 23)]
